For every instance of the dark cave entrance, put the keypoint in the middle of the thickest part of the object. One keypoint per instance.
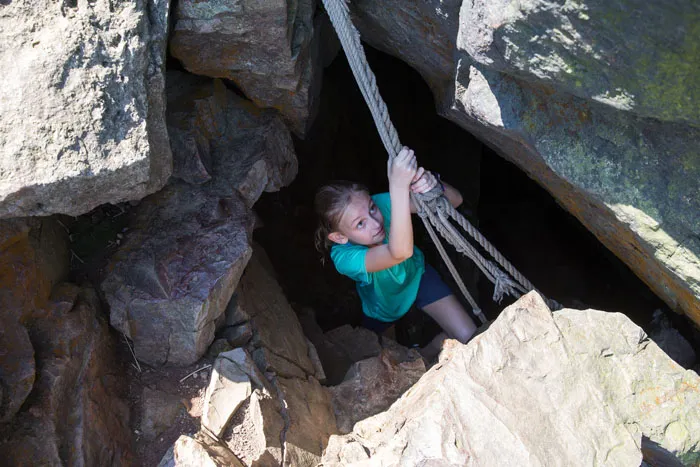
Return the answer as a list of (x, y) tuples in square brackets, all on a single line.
[(548, 245)]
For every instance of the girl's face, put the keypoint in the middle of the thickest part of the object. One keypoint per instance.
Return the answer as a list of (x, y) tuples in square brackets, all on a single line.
[(361, 223)]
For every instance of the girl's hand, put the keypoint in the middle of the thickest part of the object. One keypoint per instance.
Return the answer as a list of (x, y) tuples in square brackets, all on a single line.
[(402, 168), (423, 181)]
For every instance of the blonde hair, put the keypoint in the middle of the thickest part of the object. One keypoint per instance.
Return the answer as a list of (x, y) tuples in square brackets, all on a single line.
[(330, 203)]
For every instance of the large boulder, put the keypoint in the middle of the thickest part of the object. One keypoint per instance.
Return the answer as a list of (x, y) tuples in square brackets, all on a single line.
[(220, 138), (569, 388), (268, 48), (75, 414), (82, 104), (595, 101), (430, 27), (176, 270)]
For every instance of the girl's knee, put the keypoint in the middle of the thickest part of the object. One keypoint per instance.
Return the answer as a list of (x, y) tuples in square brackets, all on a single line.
[(464, 334)]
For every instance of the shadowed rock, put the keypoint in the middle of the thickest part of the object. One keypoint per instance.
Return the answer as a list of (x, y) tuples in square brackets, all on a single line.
[(176, 270), (268, 48), (224, 141)]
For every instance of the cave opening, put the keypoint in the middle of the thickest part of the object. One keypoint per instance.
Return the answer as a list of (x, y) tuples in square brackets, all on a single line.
[(547, 244)]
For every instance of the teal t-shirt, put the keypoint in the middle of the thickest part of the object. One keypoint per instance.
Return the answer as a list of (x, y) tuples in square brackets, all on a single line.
[(388, 294)]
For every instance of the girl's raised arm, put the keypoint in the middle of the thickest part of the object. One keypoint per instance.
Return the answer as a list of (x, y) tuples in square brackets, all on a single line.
[(400, 171)]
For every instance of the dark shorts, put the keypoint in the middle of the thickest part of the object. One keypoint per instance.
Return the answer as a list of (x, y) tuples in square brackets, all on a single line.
[(430, 290)]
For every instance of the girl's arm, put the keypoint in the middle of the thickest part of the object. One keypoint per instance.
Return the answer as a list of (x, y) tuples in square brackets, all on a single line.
[(425, 181), (453, 196), (401, 172)]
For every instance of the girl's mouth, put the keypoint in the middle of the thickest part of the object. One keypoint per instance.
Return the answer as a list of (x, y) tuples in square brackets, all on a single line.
[(380, 233)]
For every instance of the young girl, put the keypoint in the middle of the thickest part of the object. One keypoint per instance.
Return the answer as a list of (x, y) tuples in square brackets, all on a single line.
[(371, 240)]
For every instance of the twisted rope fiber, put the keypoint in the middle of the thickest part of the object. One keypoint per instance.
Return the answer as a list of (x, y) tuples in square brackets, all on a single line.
[(453, 271), (428, 203)]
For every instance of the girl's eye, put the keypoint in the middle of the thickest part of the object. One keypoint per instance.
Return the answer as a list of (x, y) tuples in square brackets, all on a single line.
[(361, 224), (372, 209)]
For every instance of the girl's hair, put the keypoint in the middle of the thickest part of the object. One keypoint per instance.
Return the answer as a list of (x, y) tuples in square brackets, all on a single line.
[(330, 203)]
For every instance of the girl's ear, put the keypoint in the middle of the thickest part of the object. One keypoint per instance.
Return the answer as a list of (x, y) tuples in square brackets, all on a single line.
[(337, 237)]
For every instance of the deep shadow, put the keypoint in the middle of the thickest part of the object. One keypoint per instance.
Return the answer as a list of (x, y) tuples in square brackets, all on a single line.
[(549, 246), (343, 144)]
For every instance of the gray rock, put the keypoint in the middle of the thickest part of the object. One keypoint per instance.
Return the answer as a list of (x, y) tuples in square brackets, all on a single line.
[(235, 315), (82, 105), (595, 50), (614, 184), (671, 341), (219, 346), (333, 359), (344, 450), (268, 48), (233, 380), (226, 142), (199, 451), (159, 410), (176, 270), (595, 101), (238, 336), (430, 27), (372, 385), (319, 373), (573, 387)]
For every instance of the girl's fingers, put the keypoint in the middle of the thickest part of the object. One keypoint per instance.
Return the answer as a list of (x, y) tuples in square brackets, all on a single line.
[(419, 174), (420, 186)]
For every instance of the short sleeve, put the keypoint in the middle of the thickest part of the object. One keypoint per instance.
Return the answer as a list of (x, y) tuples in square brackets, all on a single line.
[(383, 202), (349, 260)]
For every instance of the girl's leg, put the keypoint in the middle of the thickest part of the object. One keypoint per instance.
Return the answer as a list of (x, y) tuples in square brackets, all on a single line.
[(452, 318)]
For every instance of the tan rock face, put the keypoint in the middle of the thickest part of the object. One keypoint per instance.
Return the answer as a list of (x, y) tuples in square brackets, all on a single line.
[(566, 388), (33, 257), (82, 106), (76, 399), (597, 105), (261, 298)]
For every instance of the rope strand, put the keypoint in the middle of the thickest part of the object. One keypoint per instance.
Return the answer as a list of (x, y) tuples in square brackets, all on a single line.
[(432, 207)]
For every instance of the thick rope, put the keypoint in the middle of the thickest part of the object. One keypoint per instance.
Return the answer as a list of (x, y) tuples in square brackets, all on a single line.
[(432, 207)]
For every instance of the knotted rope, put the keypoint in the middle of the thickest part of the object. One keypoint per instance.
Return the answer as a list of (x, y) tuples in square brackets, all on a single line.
[(433, 208)]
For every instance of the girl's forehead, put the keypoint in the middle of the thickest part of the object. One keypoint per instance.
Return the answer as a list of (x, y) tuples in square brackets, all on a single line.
[(359, 204)]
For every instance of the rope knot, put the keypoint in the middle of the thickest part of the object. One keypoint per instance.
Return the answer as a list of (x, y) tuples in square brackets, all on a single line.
[(431, 200), (503, 284)]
